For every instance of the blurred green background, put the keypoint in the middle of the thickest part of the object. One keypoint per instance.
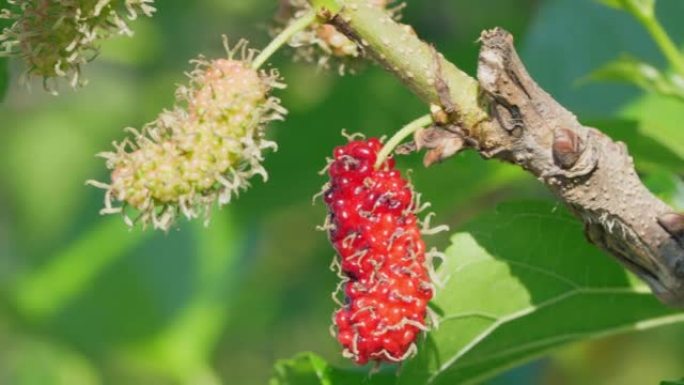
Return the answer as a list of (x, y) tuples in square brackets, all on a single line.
[(85, 301)]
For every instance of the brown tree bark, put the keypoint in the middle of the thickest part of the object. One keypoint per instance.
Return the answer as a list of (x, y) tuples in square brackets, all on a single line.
[(505, 115), (592, 174)]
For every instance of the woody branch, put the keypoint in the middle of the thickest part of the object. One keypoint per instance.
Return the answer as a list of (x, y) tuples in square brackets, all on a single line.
[(504, 114)]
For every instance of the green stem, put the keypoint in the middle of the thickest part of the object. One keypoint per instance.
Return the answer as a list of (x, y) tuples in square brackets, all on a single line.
[(400, 135), (283, 37), (330, 5), (661, 38), (397, 47)]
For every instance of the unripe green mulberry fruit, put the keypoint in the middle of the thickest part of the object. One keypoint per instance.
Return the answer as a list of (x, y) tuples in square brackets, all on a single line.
[(56, 37), (203, 151)]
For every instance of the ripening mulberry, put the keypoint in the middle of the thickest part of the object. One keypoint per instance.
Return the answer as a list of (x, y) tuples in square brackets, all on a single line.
[(204, 150), (322, 43), (56, 37), (374, 229)]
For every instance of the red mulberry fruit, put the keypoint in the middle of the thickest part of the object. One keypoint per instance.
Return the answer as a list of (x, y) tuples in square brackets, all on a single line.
[(373, 227)]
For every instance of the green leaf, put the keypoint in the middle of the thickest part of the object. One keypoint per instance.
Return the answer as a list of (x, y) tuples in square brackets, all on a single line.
[(649, 154), (666, 186), (4, 78), (680, 382), (521, 282), (630, 70), (310, 369), (659, 118), (599, 35)]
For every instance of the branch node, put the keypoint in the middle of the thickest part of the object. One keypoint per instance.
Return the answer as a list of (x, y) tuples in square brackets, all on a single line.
[(567, 148)]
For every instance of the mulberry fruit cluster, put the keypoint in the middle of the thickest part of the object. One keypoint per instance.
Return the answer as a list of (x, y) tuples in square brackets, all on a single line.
[(202, 151), (56, 37), (374, 229)]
